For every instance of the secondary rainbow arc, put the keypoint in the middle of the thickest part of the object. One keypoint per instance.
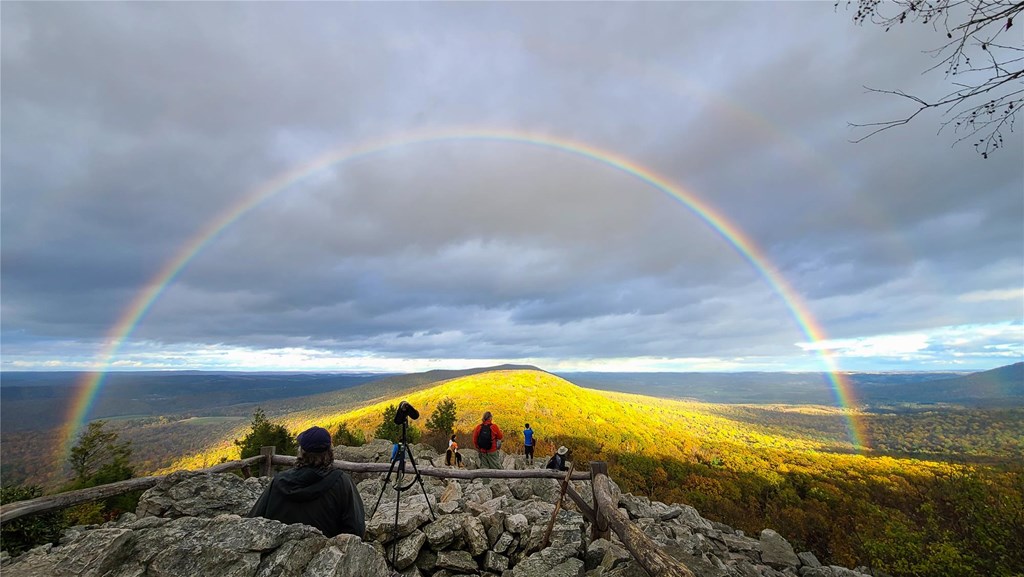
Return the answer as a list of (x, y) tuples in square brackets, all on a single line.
[(744, 246)]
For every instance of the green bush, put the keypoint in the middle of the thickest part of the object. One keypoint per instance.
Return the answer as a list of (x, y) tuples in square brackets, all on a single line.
[(343, 436), (22, 534), (98, 458), (265, 433), (442, 420)]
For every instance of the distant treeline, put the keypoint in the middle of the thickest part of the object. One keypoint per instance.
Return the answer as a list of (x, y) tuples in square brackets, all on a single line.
[(998, 387)]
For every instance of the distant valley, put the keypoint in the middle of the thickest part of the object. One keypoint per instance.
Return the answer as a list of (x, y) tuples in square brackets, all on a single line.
[(997, 387), (35, 400)]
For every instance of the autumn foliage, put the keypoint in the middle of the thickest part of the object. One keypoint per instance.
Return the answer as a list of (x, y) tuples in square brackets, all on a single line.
[(753, 467)]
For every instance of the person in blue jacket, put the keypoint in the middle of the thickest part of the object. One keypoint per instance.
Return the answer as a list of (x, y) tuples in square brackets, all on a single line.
[(313, 492), (528, 443)]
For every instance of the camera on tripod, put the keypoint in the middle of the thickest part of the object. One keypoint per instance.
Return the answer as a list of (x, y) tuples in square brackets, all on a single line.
[(399, 452), (404, 412)]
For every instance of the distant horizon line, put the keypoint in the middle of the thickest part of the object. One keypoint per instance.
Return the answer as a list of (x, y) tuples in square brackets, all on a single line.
[(373, 372)]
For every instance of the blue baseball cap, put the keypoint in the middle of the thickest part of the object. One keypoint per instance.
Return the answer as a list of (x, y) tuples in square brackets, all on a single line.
[(315, 439)]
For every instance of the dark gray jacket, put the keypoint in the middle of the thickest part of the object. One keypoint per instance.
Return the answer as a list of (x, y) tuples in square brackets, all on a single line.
[(325, 499), (557, 462)]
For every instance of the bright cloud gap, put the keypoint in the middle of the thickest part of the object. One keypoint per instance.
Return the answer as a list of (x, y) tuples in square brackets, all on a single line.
[(969, 346)]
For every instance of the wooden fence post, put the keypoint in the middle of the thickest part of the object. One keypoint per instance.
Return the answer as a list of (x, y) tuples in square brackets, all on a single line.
[(599, 530), (652, 558), (267, 465), (558, 506)]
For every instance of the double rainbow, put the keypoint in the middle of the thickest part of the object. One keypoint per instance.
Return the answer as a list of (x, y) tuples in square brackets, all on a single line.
[(122, 330)]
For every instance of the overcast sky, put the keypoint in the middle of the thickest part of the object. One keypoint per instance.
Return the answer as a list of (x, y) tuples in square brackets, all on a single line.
[(127, 129)]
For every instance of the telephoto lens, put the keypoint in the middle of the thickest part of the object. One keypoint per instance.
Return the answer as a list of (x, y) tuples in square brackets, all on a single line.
[(405, 411)]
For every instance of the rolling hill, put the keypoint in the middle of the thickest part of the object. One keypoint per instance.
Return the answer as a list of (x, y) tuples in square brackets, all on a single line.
[(996, 387), (556, 409)]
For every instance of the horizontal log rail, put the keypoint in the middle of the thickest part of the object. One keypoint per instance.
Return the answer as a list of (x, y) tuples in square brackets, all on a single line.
[(604, 514), (446, 473), (46, 503)]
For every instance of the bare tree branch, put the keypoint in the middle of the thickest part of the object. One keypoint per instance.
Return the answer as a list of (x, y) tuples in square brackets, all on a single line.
[(987, 95)]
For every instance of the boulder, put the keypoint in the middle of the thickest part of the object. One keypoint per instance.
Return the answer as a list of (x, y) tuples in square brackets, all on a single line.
[(192, 494), (227, 545), (516, 524), (382, 526), (347, 556), (807, 559), (375, 451), (475, 535), (495, 562), (408, 549), (458, 561), (504, 542), (689, 517), (494, 524), (606, 554), (444, 531), (777, 552)]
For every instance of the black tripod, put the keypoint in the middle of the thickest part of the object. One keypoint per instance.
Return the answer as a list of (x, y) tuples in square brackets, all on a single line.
[(398, 457)]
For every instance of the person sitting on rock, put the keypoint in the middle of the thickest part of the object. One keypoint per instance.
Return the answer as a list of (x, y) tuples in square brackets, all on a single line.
[(313, 492), (452, 455), (557, 461)]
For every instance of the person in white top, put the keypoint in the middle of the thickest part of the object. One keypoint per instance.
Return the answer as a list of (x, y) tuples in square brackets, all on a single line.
[(452, 455)]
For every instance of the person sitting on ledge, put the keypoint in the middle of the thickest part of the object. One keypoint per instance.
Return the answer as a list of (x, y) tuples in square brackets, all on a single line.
[(452, 456), (557, 461), (313, 492)]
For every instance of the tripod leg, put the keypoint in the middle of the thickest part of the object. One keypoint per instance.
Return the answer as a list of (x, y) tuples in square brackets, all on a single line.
[(422, 488), (394, 553), (384, 488)]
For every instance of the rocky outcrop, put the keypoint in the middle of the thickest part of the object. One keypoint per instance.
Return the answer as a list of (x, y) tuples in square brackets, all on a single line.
[(187, 494), (190, 524), (226, 545)]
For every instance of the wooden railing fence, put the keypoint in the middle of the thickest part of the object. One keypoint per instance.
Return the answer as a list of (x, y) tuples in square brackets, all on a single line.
[(604, 516)]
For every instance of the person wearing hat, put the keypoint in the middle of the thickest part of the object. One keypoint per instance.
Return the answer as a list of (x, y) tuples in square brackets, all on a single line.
[(557, 461), (313, 492)]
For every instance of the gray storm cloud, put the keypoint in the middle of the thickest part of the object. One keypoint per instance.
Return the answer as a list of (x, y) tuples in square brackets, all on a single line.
[(128, 128)]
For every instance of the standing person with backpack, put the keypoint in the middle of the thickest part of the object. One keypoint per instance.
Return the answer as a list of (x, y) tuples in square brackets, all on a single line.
[(528, 443), (487, 439)]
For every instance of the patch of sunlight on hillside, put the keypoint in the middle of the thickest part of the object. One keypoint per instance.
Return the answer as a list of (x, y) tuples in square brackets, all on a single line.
[(615, 422)]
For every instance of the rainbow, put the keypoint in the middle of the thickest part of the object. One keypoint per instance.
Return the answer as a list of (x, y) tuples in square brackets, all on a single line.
[(143, 301)]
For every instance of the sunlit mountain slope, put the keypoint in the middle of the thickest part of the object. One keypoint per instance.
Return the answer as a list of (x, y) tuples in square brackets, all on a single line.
[(557, 409)]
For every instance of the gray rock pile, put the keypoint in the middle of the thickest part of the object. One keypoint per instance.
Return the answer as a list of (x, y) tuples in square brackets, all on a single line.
[(193, 524)]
